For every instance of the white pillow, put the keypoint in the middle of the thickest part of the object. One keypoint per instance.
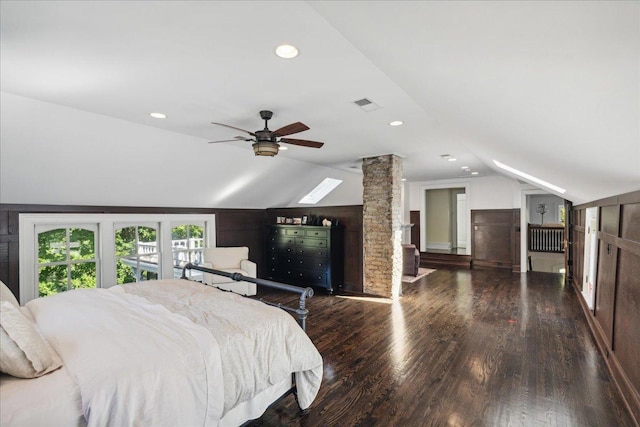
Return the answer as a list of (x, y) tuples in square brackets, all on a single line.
[(24, 353), (7, 295)]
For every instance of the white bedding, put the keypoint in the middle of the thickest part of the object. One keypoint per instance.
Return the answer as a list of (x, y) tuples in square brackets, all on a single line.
[(177, 353)]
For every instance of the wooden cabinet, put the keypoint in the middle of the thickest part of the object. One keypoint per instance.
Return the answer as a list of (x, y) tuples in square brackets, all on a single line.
[(306, 256)]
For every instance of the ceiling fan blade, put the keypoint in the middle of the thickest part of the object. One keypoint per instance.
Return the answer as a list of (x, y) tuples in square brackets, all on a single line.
[(302, 142), (233, 127), (291, 129), (236, 138)]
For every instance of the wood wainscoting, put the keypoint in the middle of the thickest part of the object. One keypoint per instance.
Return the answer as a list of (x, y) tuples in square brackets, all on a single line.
[(234, 227), (350, 218), (615, 319), (495, 242)]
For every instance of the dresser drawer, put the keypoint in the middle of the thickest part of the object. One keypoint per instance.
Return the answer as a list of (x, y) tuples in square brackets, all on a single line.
[(315, 252), (277, 231), (294, 232), (280, 239), (311, 242), (316, 278), (316, 233), (310, 263)]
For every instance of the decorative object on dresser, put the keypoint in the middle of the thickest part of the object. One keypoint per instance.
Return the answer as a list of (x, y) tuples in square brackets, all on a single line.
[(306, 255)]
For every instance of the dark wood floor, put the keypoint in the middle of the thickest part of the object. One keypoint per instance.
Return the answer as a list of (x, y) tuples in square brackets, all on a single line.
[(460, 348)]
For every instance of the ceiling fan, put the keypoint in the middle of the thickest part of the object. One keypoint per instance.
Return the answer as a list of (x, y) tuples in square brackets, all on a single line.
[(267, 142)]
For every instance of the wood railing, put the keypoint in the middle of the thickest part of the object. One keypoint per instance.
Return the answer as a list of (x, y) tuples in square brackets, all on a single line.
[(545, 238)]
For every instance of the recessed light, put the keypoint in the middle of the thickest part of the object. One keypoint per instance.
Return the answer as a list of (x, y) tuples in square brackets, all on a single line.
[(464, 167), (286, 51), (158, 115), (396, 123), (403, 179), (282, 147), (452, 159), (475, 173)]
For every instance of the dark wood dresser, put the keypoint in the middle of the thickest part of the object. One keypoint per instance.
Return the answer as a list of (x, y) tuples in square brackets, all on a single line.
[(306, 255)]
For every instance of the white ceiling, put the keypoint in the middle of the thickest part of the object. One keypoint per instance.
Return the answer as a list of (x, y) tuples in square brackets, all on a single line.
[(550, 88)]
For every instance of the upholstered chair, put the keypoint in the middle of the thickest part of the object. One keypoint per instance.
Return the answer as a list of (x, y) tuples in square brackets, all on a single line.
[(230, 260)]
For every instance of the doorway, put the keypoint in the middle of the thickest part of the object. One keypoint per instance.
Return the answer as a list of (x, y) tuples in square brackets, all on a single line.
[(445, 220)]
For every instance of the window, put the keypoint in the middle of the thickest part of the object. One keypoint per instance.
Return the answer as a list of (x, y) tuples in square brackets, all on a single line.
[(66, 259), (321, 190), (59, 252), (187, 246), (137, 254), (561, 214)]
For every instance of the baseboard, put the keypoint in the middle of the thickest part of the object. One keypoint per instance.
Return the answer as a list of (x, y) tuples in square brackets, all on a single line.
[(438, 246)]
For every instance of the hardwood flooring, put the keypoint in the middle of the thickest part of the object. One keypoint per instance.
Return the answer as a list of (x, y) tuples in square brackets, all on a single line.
[(459, 348)]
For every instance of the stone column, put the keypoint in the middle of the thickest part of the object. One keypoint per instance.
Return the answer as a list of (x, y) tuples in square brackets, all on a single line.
[(382, 232)]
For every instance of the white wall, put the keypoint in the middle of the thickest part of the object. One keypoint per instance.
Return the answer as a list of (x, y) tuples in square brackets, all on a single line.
[(552, 202), (491, 192), (51, 154)]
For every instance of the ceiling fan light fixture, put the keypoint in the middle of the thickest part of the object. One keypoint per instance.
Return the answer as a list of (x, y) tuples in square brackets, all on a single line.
[(286, 51), (265, 148), (158, 115), (396, 123)]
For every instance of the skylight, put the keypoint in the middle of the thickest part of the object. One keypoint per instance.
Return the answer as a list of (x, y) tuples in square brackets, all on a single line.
[(321, 190), (529, 177)]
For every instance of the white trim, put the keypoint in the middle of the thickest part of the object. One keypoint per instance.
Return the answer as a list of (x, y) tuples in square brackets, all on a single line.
[(106, 224), (467, 211), (524, 226)]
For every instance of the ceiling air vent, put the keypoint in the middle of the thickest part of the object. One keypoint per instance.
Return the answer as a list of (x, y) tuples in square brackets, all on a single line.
[(366, 104)]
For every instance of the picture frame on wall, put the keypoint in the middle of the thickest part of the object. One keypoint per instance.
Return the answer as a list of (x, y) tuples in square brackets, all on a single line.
[(297, 221), (288, 221), (304, 219), (280, 220)]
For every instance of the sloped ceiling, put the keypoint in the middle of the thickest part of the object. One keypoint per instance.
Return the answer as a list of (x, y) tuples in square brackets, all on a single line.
[(550, 88)]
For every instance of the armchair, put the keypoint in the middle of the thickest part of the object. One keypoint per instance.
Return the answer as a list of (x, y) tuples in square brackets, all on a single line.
[(231, 260)]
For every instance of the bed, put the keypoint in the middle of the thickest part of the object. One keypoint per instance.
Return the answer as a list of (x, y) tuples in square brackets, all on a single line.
[(166, 352)]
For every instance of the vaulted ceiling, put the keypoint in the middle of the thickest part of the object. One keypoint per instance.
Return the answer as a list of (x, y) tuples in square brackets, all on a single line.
[(549, 88)]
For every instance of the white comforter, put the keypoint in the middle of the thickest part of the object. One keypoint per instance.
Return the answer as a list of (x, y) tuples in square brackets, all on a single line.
[(184, 362)]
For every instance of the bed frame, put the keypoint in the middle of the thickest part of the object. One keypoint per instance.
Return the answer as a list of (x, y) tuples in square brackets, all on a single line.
[(301, 311), (304, 293)]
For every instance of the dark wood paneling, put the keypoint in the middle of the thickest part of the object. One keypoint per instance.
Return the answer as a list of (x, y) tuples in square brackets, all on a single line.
[(627, 317), (616, 320), (492, 238), (350, 217), (629, 229), (515, 223), (609, 216), (414, 218), (606, 290), (237, 227)]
